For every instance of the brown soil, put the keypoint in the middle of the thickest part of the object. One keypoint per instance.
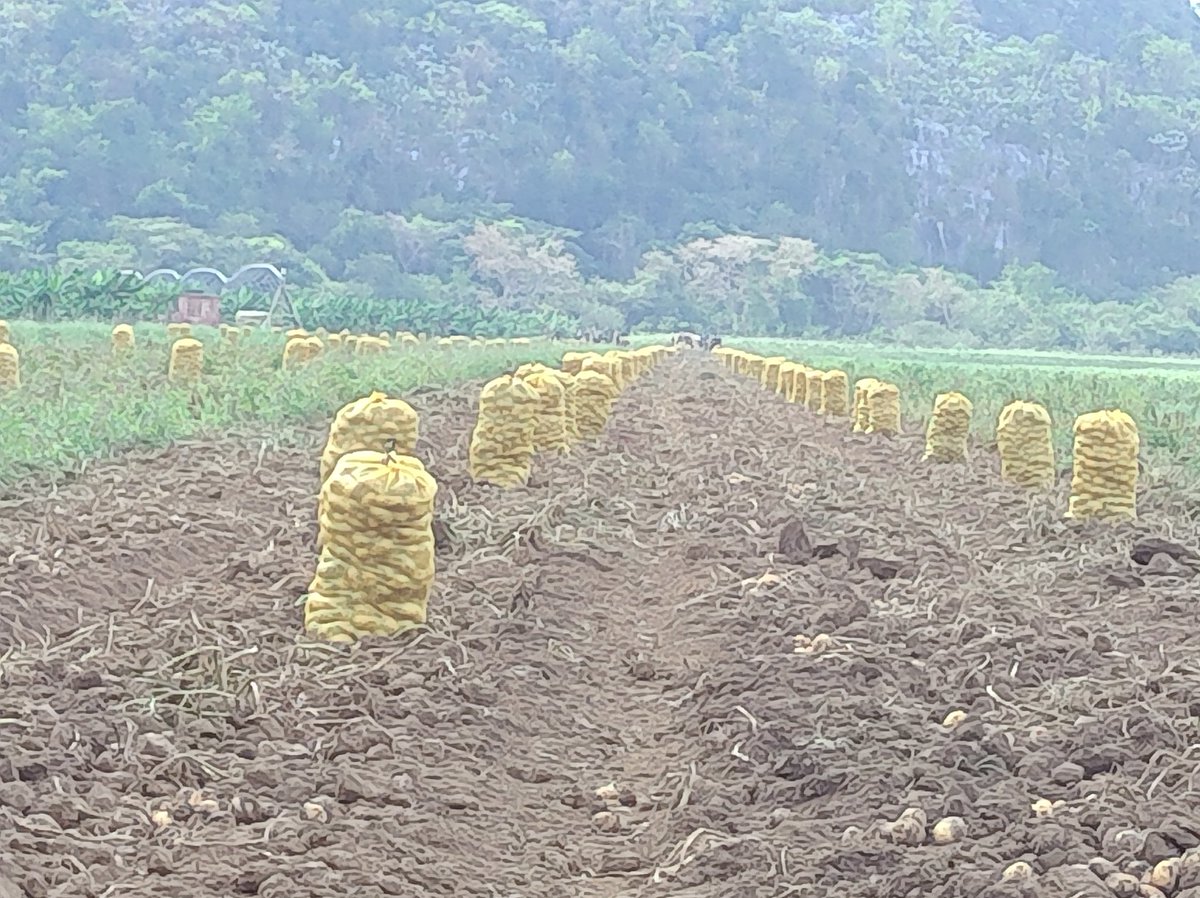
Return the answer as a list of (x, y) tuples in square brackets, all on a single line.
[(628, 619)]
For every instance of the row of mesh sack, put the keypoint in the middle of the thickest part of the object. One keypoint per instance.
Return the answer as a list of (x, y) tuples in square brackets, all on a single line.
[(1106, 443), (376, 505)]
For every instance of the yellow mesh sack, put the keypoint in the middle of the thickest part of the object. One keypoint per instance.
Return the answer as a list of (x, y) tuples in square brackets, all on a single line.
[(350, 341), (862, 412), (300, 351), (1025, 440), (1105, 468), (570, 406), (634, 364), (372, 422), (610, 368), (368, 345), (769, 378), (520, 341), (377, 548), (550, 424), (296, 333), (177, 330), (628, 366), (754, 366), (230, 335), (949, 428), (883, 409), (406, 338), (641, 362), (246, 330), (572, 362), (800, 393), (5, 332), (814, 389), (835, 393), (501, 448), (187, 361), (650, 356), (122, 339), (791, 374), (595, 394), (10, 367), (335, 341), (788, 373)]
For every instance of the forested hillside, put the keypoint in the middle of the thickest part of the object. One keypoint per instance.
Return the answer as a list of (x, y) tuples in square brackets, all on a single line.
[(1048, 151)]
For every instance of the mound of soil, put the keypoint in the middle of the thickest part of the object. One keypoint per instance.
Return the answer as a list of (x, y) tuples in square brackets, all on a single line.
[(609, 700)]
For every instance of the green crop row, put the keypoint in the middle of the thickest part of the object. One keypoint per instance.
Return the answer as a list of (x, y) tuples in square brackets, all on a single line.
[(77, 403)]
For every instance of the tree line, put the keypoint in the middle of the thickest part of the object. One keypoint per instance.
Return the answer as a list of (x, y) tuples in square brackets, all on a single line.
[(515, 283), (976, 172)]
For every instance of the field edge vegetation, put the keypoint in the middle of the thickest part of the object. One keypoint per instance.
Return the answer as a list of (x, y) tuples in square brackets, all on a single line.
[(78, 403)]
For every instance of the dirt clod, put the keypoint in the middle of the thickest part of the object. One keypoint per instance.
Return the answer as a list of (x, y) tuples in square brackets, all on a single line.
[(1123, 885), (606, 822), (949, 830)]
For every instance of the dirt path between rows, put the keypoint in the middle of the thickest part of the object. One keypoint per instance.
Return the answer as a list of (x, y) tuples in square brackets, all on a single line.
[(153, 657), (626, 620)]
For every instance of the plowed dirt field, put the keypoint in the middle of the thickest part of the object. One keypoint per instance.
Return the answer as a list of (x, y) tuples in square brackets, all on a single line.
[(166, 729)]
